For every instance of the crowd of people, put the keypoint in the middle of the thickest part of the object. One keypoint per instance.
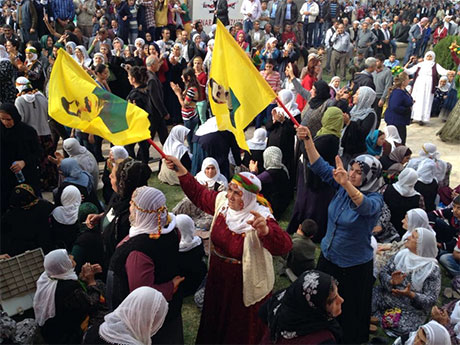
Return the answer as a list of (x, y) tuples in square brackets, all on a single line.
[(118, 264)]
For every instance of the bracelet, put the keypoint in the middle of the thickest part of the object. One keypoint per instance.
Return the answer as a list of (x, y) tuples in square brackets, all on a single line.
[(357, 195)]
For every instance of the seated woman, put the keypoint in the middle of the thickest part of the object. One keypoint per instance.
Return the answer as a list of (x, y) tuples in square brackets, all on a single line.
[(410, 281), (427, 185), (149, 256), (236, 286), (25, 224), (136, 320), (415, 218), (126, 176), (85, 159), (442, 168), (392, 139), (210, 177), (63, 220), (394, 163), (116, 154), (75, 176), (276, 185), (88, 245), (431, 333), (305, 312), (449, 316), (63, 305), (256, 145), (402, 197), (346, 250), (191, 254), (374, 143), (175, 146)]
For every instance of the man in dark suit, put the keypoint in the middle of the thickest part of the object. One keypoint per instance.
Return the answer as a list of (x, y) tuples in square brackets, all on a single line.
[(287, 13), (158, 113), (221, 12)]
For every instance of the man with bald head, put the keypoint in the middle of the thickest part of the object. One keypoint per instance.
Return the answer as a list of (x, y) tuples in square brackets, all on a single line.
[(156, 108), (416, 34)]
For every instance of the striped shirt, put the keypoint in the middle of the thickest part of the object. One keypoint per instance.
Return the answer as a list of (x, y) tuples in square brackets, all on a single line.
[(189, 109), (273, 79)]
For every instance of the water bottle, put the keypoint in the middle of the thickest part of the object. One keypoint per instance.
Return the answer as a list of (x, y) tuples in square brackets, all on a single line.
[(20, 176)]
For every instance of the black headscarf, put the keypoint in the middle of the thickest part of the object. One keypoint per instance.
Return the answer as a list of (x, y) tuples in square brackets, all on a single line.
[(300, 309), (23, 196), (322, 94), (11, 110)]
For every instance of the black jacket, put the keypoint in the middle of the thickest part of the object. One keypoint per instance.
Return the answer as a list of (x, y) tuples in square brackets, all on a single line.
[(221, 7)]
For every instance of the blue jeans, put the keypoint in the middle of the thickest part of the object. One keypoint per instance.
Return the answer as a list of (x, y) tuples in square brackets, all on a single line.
[(265, 115), (309, 33), (393, 46), (411, 50), (247, 25), (319, 31), (450, 264), (191, 124)]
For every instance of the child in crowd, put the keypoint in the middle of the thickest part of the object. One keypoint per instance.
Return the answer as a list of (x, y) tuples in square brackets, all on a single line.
[(446, 223), (302, 255), (391, 62), (440, 96)]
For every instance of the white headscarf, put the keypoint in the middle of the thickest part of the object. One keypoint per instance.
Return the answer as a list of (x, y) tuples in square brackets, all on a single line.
[(426, 171), (429, 150), (392, 136), (273, 159), (436, 334), (57, 266), (416, 218), (137, 318), (174, 144), (22, 83), (72, 45), (3, 54), (85, 159), (259, 140), (210, 182), (210, 126), (148, 202), (102, 56), (406, 182), (86, 59), (288, 99), (188, 239), (419, 265), (237, 220), (139, 41), (444, 88), (271, 40), (363, 107), (119, 152), (455, 319), (68, 213), (430, 63), (331, 84)]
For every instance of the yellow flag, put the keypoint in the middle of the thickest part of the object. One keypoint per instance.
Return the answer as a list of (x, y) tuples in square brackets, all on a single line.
[(77, 101), (237, 90)]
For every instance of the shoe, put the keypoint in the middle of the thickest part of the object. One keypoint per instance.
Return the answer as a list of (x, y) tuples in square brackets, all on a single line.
[(421, 123), (372, 328)]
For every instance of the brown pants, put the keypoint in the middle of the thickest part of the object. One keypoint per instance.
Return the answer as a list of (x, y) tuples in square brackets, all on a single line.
[(338, 64)]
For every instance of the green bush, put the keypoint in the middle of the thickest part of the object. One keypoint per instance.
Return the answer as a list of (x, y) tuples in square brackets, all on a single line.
[(442, 52)]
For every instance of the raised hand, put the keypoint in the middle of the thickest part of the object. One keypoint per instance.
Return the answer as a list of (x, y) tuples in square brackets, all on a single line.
[(397, 277), (339, 174), (259, 223), (303, 133)]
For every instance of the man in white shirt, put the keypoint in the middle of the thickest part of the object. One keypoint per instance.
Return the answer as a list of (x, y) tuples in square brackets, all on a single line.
[(309, 12), (327, 43), (251, 10), (340, 42)]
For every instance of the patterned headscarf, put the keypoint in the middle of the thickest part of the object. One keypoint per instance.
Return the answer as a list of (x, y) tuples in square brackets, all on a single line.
[(371, 178), (273, 159), (363, 106), (300, 309), (130, 175), (23, 196)]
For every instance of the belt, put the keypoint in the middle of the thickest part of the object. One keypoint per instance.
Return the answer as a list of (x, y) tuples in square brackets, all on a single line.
[(341, 52), (225, 258)]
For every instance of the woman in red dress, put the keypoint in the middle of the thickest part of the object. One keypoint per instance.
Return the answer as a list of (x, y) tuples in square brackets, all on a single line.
[(243, 232)]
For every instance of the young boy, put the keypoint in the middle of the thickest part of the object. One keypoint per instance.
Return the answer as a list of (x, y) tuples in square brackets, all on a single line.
[(391, 62), (446, 223), (302, 255)]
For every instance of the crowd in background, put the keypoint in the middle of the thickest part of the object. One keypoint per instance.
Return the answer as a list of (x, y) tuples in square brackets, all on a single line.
[(118, 264)]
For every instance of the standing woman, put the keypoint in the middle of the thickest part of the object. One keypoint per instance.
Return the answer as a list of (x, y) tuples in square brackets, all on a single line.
[(234, 290), (20, 153), (346, 251), (399, 108), (189, 99), (359, 124), (307, 82), (34, 70), (202, 78), (137, 77), (123, 18), (7, 74), (426, 76), (314, 195)]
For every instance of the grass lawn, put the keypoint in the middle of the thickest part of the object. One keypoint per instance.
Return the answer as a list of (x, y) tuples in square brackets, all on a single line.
[(191, 314)]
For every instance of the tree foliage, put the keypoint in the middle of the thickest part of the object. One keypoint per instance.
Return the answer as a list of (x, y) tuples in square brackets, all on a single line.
[(442, 51)]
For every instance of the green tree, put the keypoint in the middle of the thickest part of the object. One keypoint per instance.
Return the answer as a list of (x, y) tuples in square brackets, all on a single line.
[(442, 51)]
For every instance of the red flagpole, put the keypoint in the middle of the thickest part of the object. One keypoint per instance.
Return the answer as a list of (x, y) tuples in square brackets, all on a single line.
[(294, 121), (156, 147)]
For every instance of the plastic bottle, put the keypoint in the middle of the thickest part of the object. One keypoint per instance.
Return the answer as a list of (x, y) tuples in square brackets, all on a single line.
[(20, 176)]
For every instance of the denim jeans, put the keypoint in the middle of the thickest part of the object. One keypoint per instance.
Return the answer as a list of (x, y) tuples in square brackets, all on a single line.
[(452, 265), (247, 25), (265, 115), (309, 33), (191, 124), (319, 34), (393, 46)]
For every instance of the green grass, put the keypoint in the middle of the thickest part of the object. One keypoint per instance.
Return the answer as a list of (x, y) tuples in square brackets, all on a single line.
[(191, 314)]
